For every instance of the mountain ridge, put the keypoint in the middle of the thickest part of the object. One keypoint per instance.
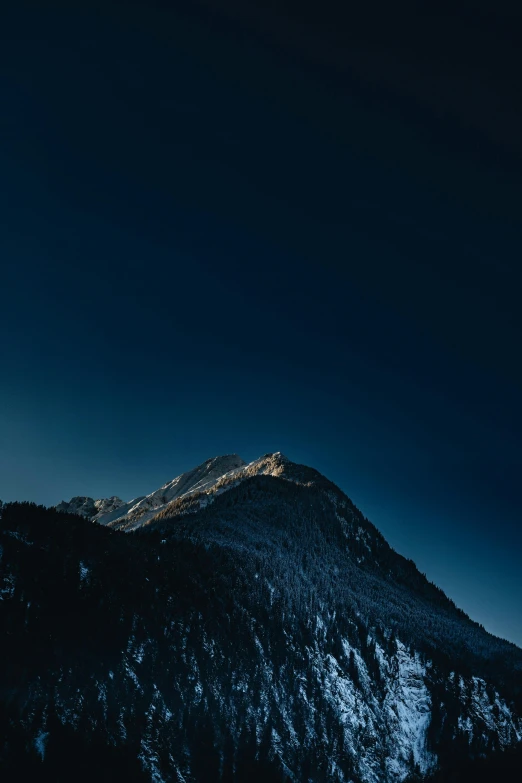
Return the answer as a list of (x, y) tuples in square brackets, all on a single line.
[(139, 509), (215, 473)]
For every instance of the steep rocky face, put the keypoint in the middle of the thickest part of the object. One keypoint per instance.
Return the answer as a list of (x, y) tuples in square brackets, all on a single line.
[(257, 627), (105, 506), (90, 508), (84, 506)]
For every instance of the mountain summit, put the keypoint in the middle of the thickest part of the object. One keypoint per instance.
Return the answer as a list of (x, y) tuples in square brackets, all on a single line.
[(134, 513), (244, 622), (217, 473)]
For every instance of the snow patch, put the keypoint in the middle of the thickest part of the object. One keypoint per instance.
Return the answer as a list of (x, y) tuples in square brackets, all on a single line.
[(40, 742)]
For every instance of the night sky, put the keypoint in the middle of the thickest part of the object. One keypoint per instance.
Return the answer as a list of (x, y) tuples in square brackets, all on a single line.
[(253, 227)]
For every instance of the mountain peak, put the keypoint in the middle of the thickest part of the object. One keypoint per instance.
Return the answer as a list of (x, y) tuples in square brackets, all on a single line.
[(278, 465), (88, 507), (215, 474), (198, 479)]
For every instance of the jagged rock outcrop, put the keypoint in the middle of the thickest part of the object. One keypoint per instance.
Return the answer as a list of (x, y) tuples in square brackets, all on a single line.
[(90, 508)]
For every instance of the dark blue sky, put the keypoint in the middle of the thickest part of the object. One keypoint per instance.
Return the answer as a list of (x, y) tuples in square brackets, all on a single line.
[(235, 228)]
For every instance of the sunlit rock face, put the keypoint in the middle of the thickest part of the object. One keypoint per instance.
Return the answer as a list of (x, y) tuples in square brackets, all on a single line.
[(138, 512), (243, 622)]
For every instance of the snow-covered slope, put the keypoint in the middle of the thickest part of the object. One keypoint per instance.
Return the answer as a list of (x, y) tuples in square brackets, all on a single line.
[(200, 479)]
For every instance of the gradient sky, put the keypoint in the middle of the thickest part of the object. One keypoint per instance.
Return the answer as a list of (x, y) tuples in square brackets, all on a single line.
[(239, 227)]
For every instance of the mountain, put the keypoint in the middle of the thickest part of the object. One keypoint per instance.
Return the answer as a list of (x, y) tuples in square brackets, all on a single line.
[(90, 508), (138, 512), (249, 623)]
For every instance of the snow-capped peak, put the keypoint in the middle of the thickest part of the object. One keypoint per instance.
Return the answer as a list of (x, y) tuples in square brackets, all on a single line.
[(214, 475), (199, 479)]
